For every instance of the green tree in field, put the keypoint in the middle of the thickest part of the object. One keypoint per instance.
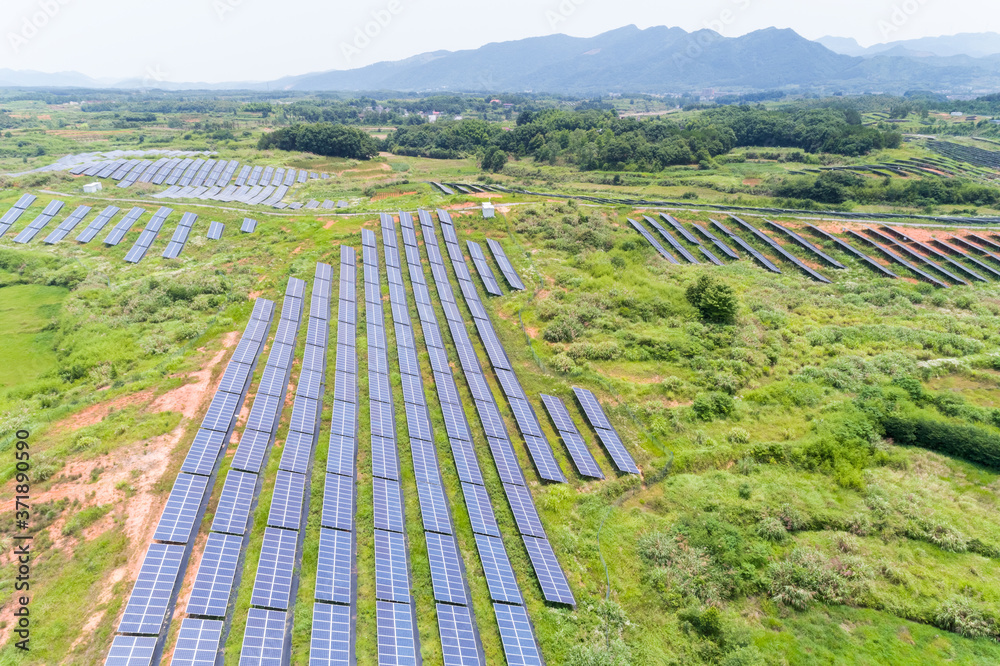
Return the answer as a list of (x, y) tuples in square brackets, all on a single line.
[(494, 160), (323, 139), (713, 300)]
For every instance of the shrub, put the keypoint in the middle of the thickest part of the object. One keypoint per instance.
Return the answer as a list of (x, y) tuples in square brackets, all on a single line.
[(710, 406), (973, 443), (772, 529), (713, 300), (565, 328), (738, 436), (960, 616)]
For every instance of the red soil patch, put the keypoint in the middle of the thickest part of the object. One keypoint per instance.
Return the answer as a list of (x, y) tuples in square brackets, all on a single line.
[(329, 225), (752, 181)]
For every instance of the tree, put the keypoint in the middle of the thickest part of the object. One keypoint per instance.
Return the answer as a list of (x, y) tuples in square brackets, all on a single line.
[(323, 139), (494, 160), (713, 300)]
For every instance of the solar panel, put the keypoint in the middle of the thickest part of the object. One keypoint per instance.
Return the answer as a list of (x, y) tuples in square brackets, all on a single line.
[(67, 225), (454, 421), (264, 639), (98, 224), (669, 237), (592, 409), (181, 510), (264, 413), (418, 422), (850, 249), (338, 503), (146, 611), (250, 452), (485, 272), (616, 449), (334, 575), (388, 504), (397, 635), (465, 461), (343, 419), (214, 582), (506, 461), (761, 236), (204, 452), (524, 416), (459, 645), (310, 385), (434, 508), (385, 459), (926, 277), (222, 411), (496, 567), (806, 244), (413, 389), (477, 501), (332, 642), (286, 502), (340, 459), (305, 415), (550, 575), (233, 512), (578, 451), (507, 268), (425, 462), (652, 241), (761, 259), (447, 574), (215, 230), (519, 645), (382, 419), (234, 379), (131, 651), (118, 233), (392, 580), (273, 584), (523, 507)]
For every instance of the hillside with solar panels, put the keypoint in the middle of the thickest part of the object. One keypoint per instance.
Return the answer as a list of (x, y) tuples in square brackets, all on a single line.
[(290, 408)]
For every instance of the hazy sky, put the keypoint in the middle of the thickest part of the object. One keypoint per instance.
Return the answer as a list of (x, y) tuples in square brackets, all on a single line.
[(243, 40)]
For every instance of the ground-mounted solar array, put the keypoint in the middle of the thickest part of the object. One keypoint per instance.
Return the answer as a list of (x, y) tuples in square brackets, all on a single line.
[(148, 235), (180, 237), (67, 225), (578, 451), (15, 212), (450, 586), (39, 223), (148, 609), (332, 641), (606, 432), (507, 268)]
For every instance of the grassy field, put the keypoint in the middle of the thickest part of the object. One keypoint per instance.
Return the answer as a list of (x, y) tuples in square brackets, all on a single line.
[(774, 522)]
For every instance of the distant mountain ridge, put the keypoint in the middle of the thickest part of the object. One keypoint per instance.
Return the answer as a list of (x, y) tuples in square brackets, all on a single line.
[(633, 60)]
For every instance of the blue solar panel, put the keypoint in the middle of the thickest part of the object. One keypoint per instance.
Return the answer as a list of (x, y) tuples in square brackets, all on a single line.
[(506, 461), (286, 503), (250, 452), (447, 574), (131, 651), (397, 635), (146, 611), (550, 575), (297, 452), (214, 582), (272, 587), (523, 507), (519, 645), (388, 503), (181, 510), (233, 512), (332, 642), (480, 508), (335, 576), (459, 644), (204, 452), (338, 503), (392, 580), (496, 567), (341, 456), (264, 639), (434, 508)]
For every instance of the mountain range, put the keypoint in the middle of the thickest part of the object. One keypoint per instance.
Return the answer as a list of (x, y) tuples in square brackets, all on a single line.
[(633, 60)]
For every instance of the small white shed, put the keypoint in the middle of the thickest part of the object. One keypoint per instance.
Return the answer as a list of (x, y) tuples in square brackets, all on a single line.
[(489, 210), (91, 188)]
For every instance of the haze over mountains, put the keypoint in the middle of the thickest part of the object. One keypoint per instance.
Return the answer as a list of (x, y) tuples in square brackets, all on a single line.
[(654, 60)]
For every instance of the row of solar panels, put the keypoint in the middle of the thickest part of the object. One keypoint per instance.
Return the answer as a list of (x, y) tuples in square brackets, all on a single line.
[(267, 637), (517, 635), (332, 640), (460, 644), (117, 234), (398, 638), (264, 186), (551, 577), (147, 613)]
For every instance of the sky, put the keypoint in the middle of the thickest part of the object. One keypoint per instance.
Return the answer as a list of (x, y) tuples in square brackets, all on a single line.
[(258, 40)]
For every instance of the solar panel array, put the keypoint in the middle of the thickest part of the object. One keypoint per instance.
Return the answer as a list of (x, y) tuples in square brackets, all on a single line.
[(15, 212), (928, 249), (398, 640), (578, 451), (926, 277), (669, 237), (823, 256), (652, 241), (277, 579), (507, 268), (788, 256), (124, 225), (605, 431), (965, 246), (336, 588), (485, 272), (180, 237), (39, 223), (761, 259), (148, 235), (265, 186), (725, 249), (248, 226), (97, 224), (149, 605), (538, 446), (447, 569), (67, 225), (511, 475), (890, 241), (850, 249)]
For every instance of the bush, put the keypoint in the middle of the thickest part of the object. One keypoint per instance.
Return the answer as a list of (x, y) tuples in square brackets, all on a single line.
[(960, 616), (714, 301), (772, 529), (565, 328), (710, 406), (972, 443)]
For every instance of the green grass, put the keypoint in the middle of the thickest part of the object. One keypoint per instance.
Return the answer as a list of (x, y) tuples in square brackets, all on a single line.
[(26, 311)]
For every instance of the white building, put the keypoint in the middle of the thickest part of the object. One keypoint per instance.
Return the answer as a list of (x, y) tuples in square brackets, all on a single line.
[(489, 210), (92, 188)]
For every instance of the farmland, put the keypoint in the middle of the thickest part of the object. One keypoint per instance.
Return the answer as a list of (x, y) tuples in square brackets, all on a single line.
[(818, 458)]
